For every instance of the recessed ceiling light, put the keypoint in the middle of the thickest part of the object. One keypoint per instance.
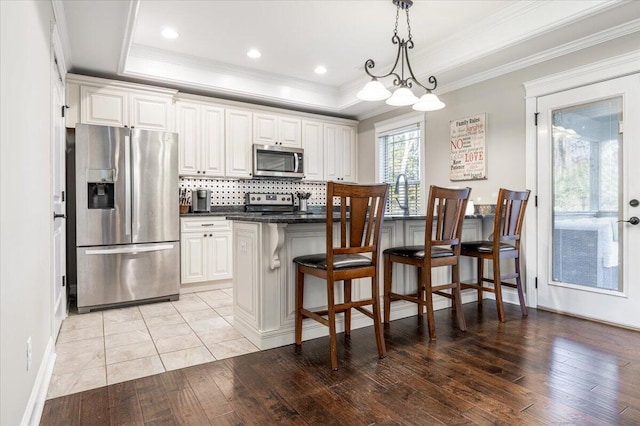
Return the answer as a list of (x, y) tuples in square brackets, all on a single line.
[(254, 53), (169, 33), (320, 70)]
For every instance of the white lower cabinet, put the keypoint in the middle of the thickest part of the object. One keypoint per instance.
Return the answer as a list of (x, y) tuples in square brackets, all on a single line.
[(206, 247)]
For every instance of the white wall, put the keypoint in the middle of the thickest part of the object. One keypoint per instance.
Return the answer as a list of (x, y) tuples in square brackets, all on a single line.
[(502, 98), (25, 203)]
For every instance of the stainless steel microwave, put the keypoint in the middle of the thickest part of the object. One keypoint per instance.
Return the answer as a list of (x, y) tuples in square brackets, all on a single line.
[(274, 161)]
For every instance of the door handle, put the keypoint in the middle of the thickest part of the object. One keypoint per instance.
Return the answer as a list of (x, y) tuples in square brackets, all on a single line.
[(633, 220), (59, 216)]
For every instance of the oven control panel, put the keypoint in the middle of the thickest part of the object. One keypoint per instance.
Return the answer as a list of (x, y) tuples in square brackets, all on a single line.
[(253, 199)]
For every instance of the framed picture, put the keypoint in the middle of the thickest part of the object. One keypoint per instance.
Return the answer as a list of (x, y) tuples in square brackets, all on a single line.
[(467, 144)]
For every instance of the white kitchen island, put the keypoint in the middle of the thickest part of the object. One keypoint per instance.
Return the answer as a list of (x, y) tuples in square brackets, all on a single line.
[(264, 273)]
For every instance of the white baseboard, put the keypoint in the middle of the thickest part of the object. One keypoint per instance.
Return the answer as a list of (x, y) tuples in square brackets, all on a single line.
[(35, 405), (205, 286)]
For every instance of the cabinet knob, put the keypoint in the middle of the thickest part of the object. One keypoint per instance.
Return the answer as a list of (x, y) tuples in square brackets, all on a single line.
[(211, 235), (205, 235)]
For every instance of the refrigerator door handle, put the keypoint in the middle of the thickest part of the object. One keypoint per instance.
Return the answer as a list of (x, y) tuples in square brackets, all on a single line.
[(130, 250), (127, 185)]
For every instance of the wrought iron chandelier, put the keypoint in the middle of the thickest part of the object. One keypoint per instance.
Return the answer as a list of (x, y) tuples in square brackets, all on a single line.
[(375, 90)]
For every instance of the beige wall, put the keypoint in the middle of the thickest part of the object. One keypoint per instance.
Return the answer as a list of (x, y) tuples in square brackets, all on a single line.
[(502, 98), (25, 200)]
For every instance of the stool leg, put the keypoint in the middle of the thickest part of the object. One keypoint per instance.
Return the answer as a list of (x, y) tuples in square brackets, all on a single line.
[(523, 305), (377, 326), (480, 279), (457, 296), (426, 283), (420, 293), (388, 267), (498, 289), (333, 347), (299, 295), (347, 313)]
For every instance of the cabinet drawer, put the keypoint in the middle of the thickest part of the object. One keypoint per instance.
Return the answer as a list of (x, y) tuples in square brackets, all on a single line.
[(209, 224)]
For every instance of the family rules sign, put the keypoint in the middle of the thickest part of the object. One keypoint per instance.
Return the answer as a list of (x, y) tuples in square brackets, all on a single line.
[(467, 144)]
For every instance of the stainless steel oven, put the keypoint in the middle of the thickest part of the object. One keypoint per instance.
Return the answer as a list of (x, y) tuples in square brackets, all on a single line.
[(272, 161)]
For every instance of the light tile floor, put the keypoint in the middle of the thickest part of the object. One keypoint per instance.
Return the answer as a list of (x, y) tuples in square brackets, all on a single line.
[(106, 347)]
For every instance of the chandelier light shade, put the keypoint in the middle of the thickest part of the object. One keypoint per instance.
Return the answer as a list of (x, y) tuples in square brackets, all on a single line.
[(374, 91), (402, 95)]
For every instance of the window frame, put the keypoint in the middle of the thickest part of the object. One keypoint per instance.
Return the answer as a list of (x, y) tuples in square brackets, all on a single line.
[(397, 123)]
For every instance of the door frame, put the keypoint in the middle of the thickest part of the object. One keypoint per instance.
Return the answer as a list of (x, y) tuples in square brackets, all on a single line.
[(617, 66), (58, 62)]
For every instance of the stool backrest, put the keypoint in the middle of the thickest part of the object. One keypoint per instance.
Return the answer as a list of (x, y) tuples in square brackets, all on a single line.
[(445, 213), (361, 213), (510, 209)]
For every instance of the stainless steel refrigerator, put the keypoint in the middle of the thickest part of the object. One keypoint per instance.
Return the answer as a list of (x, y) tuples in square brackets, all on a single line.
[(126, 216)]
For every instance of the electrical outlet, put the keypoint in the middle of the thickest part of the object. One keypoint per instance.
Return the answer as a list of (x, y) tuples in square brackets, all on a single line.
[(29, 354)]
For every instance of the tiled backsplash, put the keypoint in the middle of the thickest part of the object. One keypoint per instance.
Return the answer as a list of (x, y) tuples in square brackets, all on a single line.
[(227, 192)]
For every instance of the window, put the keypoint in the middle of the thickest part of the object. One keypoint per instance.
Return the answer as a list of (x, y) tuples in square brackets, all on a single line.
[(400, 161)]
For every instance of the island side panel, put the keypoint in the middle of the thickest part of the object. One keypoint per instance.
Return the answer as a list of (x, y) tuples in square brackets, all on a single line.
[(246, 279)]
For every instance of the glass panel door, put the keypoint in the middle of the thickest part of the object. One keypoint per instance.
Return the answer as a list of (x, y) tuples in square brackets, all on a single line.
[(588, 190)]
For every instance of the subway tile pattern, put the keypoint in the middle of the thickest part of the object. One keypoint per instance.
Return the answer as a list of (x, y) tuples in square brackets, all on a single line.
[(227, 192), (116, 345)]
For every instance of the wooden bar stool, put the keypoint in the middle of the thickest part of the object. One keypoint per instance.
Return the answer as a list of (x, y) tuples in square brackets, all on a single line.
[(355, 255), (443, 230), (504, 244)]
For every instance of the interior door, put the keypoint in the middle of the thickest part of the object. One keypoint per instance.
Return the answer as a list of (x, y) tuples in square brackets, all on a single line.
[(59, 293), (588, 208)]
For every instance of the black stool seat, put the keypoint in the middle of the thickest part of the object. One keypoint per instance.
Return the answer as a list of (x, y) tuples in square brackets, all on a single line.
[(485, 246), (418, 252), (340, 261)]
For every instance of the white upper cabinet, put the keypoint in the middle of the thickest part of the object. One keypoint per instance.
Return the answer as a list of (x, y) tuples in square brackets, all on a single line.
[(103, 105), (200, 129), (238, 143), (313, 144), (112, 103), (340, 153), (118, 107), (149, 111), (271, 129)]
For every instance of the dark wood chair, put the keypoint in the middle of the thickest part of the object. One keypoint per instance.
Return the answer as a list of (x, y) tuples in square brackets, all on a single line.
[(354, 255), (443, 230), (504, 244)]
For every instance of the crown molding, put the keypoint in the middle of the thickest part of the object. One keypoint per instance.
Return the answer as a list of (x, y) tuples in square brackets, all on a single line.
[(565, 49), (62, 32), (132, 18), (614, 67)]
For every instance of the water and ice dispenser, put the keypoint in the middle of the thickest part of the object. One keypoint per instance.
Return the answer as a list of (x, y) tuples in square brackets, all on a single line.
[(101, 189)]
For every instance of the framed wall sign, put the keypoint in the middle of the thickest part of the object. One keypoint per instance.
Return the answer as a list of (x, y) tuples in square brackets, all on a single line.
[(467, 144)]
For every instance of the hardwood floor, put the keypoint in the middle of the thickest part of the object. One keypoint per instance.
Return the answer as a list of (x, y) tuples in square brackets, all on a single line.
[(543, 369)]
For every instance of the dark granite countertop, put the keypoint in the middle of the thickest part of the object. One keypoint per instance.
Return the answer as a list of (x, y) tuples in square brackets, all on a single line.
[(292, 218), (314, 215)]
